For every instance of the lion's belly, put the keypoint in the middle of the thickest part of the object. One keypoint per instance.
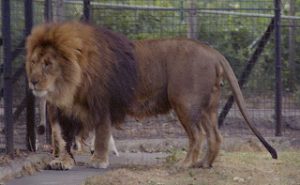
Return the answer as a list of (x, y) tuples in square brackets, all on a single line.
[(151, 105)]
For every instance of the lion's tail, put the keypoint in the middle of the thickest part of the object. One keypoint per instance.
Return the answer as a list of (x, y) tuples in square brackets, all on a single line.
[(237, 93)]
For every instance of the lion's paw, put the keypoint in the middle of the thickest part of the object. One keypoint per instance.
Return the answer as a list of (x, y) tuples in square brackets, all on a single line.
[(183, 164), (202, 164), (96, 162), (65, 163)]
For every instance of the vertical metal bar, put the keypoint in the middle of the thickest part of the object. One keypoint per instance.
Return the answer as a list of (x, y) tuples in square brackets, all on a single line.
[(48, 130), (59, 11), (28, 5), (192, 20), (291, 46), (30, 137), (7, 74), (86, 10), (278, 83), (48, 16)]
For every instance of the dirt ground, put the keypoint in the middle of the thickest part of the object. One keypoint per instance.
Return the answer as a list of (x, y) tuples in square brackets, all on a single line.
[(241, 161), (230, 168)]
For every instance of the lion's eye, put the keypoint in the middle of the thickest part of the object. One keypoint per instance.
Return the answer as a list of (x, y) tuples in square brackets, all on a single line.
[(47, 63)]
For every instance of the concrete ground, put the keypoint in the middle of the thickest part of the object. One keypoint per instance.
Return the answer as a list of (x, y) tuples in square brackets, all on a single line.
[(132, 152), (77, 175)]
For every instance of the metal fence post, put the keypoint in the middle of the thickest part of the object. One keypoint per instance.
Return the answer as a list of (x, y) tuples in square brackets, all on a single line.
[(7, 74), (278, 83), (48, 14), (86, 10), (48, 17), (192, 20), (30, 137)]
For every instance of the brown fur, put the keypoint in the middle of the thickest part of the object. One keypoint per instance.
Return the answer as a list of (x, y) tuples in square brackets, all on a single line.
[(100, 77)]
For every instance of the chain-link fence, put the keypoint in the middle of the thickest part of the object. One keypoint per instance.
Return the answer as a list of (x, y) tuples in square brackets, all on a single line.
[(243, 31)]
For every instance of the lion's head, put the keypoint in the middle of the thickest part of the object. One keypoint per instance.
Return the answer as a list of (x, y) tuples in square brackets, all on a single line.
[(52, 61), (43, 70)]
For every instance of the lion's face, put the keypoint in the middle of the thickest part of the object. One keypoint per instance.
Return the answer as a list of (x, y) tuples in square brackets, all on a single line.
[(43, 70)]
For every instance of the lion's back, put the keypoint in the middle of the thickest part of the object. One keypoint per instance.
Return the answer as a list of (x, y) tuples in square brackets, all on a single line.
[(170, 69)]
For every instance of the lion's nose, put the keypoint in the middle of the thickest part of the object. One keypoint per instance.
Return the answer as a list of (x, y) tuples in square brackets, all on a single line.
[(34, 81)]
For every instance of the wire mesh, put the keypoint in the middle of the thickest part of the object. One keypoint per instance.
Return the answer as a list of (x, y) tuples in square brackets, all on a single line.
[(233, 27)]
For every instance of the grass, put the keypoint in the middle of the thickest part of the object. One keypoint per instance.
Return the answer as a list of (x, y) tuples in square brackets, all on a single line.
[(230, 168)]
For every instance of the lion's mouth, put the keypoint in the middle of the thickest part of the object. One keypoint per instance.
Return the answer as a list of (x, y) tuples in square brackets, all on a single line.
[(39, 93)]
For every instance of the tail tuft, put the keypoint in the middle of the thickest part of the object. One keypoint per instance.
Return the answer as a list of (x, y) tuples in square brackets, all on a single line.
[(273, 153)]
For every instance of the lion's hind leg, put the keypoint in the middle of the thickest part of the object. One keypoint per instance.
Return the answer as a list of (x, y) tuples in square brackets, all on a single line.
[(189, 117), (209, 124), (214, 140)]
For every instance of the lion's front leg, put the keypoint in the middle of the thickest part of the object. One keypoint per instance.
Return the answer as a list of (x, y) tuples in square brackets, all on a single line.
[(100, 157), (61, 141), (63, 157)]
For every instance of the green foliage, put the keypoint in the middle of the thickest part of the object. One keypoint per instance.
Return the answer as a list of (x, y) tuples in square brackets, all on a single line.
[(235, 36), (140, 23)]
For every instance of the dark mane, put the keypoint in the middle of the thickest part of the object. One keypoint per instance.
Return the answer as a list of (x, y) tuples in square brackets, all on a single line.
[(119, 75), (123, 81)]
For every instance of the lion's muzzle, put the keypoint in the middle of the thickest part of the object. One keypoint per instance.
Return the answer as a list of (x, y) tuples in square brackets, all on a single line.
[(39, 93)]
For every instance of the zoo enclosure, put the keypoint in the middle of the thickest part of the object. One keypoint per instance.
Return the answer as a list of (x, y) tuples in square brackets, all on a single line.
[(259, 38)]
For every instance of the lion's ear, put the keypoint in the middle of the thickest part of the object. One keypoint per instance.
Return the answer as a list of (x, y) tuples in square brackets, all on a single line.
[(78, 51), (78, 46)]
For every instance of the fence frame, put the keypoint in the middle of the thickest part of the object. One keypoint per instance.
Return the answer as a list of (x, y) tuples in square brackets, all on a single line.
[(29, 101)]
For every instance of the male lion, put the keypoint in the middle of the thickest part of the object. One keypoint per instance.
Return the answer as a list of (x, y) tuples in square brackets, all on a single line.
[(99, 77)]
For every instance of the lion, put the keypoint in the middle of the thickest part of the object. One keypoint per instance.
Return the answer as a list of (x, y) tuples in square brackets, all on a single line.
[(98, 77)]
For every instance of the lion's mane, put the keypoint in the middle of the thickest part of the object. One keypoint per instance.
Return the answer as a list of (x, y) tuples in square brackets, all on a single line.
[(98, 67)]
